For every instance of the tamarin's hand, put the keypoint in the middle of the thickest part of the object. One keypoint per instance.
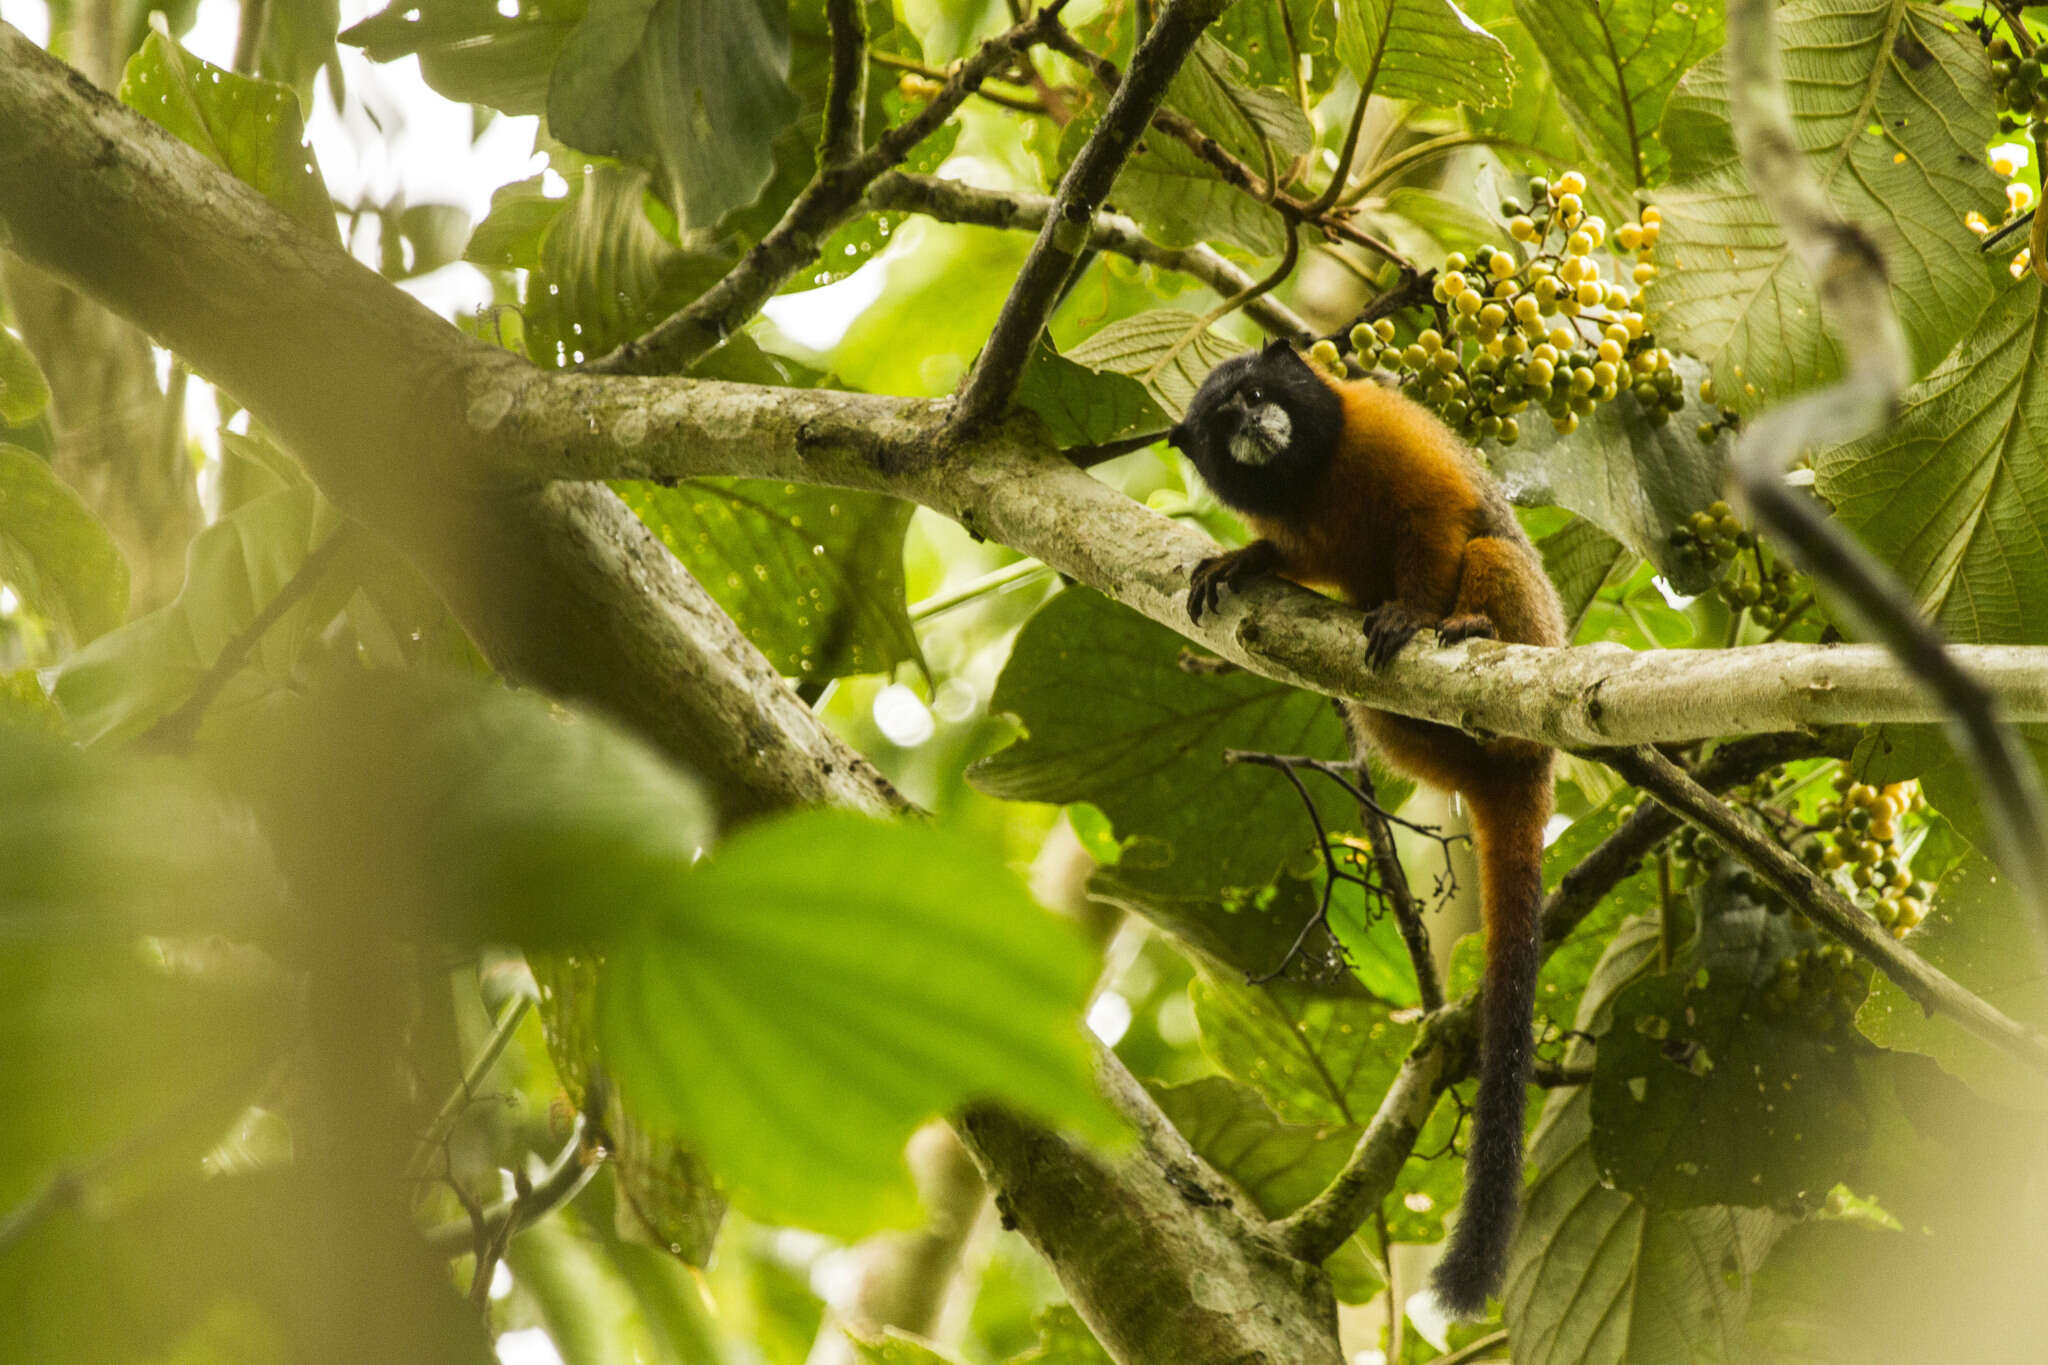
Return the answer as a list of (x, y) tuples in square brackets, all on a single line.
[(1363, 494)]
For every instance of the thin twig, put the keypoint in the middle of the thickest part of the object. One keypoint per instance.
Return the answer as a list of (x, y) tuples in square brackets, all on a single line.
[(465, 1090), (570, 1171), (1474, 1351), (1819, 900), (834, 195), (1393, 880), (988, 386), (846, 86), (951, 201), (177, 729), (1850, 274)]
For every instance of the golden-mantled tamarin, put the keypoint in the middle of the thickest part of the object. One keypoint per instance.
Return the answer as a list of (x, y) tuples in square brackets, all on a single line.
[(1358, 492)]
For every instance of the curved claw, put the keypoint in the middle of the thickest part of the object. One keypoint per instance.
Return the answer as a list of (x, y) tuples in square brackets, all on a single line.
[(1213, 575), (1388, 627)]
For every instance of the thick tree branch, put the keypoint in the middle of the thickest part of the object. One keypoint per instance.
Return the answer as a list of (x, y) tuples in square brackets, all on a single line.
[(1849, 273), (1162, 1265), (951, 201), (986, 390), (1933, 989), (833, 196), (562, 588)]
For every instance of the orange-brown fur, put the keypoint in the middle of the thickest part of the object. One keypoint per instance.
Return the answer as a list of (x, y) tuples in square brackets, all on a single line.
[(1404, 516)]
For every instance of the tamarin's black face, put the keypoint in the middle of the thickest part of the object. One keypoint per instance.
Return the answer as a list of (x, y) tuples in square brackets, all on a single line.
[(1261, 429)]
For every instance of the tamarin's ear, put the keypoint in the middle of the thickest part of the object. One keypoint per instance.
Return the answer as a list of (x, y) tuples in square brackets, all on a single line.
[(1278, 346)]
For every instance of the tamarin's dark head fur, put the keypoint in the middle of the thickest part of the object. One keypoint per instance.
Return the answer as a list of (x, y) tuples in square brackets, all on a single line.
[(1261, 429)]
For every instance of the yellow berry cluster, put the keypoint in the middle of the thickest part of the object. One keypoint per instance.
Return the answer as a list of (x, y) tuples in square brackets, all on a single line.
[(1858, 841), (1536, 323), (1757, 581)]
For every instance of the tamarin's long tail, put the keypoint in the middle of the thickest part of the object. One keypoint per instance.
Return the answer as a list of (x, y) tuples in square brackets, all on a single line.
[(1509, 813)]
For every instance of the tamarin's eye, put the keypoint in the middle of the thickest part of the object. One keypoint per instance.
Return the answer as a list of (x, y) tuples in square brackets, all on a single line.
[(1255, 394)]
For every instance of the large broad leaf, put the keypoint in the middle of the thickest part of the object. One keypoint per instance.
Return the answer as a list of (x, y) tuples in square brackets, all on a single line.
[(1181, 200), (1633, 480), (1579, 556), (24, 393), (1613, 64), (1258, 35), (1984, 937), (1533, 130), (813, 575), (1706, 1090), (1141, 738), (694, 89), (1597, 1277), (465, 811), (1248, 120), (600, 271), (1892, 105), (1954, 493), (825, 985), (1165, 350), (1426, 50), (238, 1269), (1280, 1165), (1944, 1171), (125, 681), (54, 552), (471, 50), (1319, 1060), (1083, 406), (663, 1188), (249, 128)]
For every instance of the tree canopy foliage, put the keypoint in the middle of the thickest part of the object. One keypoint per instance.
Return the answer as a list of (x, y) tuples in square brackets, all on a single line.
[(618, 827)]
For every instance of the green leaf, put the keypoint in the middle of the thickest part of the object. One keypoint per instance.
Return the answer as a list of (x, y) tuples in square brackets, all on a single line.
[(602, 273), (1533, 130), (1953, 494), (1083, 406), (1144, 347), (1614, 63), (1425, 50), (1142, 739), (471, 51), (694, 89), (825, 985), (1578, 556), (1633, 480), (54, 552), (233, 1269), (1597, 1277), (1706, 1090), (462, 810), (1212, 90), (1981, 935), (24, 393), (813, 575), (1893, 107), (127, 680), (1314, 1059), (249, 128), (1280, 1165), (1181, 200), (1257, 34), (98, 850), (1063, 1339), (298, 40), (1251, 931), (664, 1191), (894, 1347)]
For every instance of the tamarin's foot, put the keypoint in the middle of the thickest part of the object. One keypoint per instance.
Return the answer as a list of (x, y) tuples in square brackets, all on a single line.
[(1466, 628), (1388, 627), (1212, 576)]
